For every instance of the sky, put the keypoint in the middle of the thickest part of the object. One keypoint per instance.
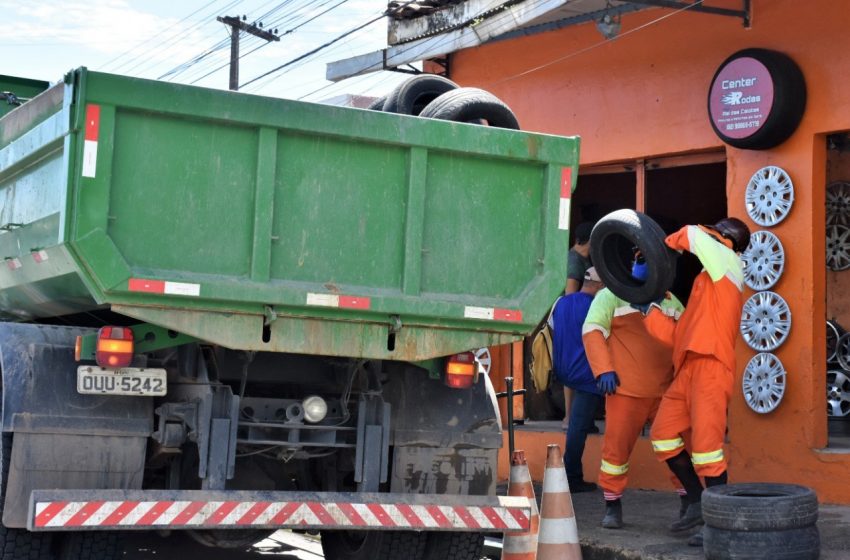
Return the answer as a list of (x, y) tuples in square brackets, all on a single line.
[(181, 41)]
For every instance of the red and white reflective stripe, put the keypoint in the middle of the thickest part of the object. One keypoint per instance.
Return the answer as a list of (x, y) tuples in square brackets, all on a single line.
[(90, 140), (39, 256), (116, 514), (492, 314), (333, 300), (163, 287), (14, 263), (564, 206)]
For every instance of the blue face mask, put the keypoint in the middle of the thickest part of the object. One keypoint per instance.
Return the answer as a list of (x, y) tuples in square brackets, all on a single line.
[(640, 271)]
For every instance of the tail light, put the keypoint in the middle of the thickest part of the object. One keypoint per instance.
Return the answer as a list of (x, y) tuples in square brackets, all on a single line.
[(114, 347), (461, 370)]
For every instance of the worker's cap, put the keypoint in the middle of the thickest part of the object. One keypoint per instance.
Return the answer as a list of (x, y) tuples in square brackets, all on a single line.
[(592, 275)]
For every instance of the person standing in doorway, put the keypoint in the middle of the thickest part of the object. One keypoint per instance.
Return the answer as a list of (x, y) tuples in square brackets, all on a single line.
[(572, 369), (578, 261), (703, 342)]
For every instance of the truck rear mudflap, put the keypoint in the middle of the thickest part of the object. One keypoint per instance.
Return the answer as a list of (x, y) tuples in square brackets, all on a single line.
[(65, 510)]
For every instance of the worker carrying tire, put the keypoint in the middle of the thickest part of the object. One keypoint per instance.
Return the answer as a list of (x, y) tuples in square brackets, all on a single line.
[(633, 370), (703, 342)]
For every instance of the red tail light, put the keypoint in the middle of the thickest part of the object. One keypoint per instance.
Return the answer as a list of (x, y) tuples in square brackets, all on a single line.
[(461, 370), (114, 347)]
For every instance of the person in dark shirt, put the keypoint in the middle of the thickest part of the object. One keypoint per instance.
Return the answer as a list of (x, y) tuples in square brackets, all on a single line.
[(573, 370), (578, 258)]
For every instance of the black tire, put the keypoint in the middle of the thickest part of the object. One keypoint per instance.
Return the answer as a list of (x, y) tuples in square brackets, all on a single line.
[(789, 101), (412, 96), (19, 544), (611, 243), (373, 545), (92, 545), (377, 104), (792, 544), (454, 546), (471, 105), (759, 507)]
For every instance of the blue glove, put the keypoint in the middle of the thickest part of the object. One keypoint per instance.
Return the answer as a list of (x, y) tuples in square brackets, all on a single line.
[(608, 382), (639, 270)]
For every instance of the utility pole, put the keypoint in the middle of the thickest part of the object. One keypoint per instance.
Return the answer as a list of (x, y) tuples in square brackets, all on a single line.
[(237, 25)]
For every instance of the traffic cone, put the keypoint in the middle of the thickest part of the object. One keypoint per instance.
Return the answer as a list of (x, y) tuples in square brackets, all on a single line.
[(521, 545), (558, 539)]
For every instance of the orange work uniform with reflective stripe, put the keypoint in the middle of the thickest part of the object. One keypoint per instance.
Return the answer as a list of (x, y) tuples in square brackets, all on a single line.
[(703, 342), (615, 339)]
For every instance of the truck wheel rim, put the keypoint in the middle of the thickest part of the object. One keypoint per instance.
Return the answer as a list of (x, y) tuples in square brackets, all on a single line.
[(838, 204), (842, 351), (837, 394), (837, 247), (833, 333), (765, 321), (764, 383), (764, 261), (482, 356), (769, 196)]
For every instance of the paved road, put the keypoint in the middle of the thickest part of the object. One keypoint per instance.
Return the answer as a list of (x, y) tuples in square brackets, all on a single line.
[(282, 545)]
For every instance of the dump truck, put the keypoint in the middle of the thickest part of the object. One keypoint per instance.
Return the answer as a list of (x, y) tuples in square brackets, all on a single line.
[(227, 314)]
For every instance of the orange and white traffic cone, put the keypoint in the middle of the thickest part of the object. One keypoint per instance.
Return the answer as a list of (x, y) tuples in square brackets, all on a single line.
[(558, 539), (521, 545)]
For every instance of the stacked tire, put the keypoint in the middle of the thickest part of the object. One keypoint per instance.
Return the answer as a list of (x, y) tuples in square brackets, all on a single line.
[(760, 520)]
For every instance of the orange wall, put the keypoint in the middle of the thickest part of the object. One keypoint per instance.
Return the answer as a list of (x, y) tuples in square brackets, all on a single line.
[(643, 95)]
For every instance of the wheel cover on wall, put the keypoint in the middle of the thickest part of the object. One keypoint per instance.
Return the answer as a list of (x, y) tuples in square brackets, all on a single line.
[(837, 247), (838, 204), (769, 196), (837, 394), (842, 351), (764, 382), (482, 357), (765, 321), (833, 333), (764, 261)]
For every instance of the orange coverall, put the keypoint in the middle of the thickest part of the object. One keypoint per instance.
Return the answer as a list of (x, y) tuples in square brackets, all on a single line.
[(615, 339), (703, 342)]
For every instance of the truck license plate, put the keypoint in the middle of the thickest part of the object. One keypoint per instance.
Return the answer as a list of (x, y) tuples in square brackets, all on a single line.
[(93, 380)]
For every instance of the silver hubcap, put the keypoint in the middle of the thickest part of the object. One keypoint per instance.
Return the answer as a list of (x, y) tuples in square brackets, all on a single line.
[(837, 394), (769, 196), (765, 321), (838, 204), (764, 261), (764, 383), (837, 247)]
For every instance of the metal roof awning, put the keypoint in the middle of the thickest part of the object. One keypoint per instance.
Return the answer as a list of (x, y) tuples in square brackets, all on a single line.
[(474, 22)]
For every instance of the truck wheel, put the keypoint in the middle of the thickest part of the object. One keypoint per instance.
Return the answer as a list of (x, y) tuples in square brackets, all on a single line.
[(412, 96), (471, 105), (19, 544), (793, 544), (454, 546), (373, 545), (92, 545), (377, 104), (759, 507), (611, 243)]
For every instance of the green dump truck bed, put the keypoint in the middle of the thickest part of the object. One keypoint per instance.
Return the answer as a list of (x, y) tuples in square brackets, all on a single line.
[(269, 224)]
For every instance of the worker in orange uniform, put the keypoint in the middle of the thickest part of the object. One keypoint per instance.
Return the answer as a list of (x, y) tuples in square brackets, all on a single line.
[(703, 341), (633, 370)]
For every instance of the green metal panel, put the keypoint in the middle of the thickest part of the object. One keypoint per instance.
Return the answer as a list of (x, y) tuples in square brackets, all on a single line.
[(22, 88), (269, 224)]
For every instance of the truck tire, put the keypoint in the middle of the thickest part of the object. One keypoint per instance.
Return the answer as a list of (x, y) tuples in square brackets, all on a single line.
[(611, 243), (19, 544), (759, 507), (373, 545), (791, 544), (471, 105), (377, 104), (92, 545), (454, 546), (412, 96)]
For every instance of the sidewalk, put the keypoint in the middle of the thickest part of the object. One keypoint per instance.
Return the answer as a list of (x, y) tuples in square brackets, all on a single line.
[(646, 516)]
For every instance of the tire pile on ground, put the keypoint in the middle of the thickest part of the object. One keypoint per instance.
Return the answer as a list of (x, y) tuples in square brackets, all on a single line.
[(760, 520), (436, 97)]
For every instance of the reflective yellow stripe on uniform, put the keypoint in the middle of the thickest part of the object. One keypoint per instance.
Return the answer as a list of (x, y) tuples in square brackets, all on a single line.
[(662, 445), (706, 458), (615, 470)]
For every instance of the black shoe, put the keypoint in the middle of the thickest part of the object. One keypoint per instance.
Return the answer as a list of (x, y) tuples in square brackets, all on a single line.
[(696, 538), (593, 430), (613, 515), (577, 486), (692, 518), (683, 506)]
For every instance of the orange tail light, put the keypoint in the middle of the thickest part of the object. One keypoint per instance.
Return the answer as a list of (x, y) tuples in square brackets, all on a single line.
[(461, 370), (114, 347)]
